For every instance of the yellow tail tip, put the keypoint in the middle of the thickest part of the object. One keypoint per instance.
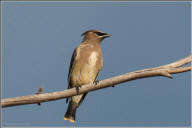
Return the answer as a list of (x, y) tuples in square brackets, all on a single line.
[(66, 118), (72, 121)]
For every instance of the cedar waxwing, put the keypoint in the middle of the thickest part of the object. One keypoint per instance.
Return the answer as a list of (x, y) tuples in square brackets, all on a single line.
[(86, 63)]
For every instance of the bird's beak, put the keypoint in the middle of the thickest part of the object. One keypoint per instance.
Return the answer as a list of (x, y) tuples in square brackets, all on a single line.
[(106, 35)]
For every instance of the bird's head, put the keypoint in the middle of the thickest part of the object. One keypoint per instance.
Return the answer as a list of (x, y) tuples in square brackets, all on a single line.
[(95, 35)]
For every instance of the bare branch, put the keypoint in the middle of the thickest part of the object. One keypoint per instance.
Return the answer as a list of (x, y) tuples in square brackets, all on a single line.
[(39, 92), (165, 70), (180, 62)]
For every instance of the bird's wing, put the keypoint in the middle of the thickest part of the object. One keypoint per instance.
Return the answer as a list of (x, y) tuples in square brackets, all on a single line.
[(70, 69)]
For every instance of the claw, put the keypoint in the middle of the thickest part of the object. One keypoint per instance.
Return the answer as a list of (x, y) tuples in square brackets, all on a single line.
[(96, 82), (77, 89)]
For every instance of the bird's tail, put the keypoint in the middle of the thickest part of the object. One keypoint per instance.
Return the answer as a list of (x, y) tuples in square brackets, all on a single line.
[(71, 111)]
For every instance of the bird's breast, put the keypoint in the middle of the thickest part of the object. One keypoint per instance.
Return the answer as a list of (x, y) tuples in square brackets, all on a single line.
[(92, 59)]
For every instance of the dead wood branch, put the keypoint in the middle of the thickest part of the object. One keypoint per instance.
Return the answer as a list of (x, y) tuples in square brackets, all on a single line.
[(165, 70)]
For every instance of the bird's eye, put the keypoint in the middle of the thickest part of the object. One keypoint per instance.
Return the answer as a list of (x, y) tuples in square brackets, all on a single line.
[(99, 33)]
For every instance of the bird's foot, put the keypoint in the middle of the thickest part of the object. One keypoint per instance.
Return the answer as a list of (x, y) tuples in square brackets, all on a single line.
[(77, 89), (96, 82)]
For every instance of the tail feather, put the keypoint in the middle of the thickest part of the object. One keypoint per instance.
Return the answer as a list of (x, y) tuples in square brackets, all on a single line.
[(74, 103), (71, 112)]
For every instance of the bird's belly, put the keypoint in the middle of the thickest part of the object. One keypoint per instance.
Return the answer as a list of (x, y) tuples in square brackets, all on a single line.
[(85, 73)]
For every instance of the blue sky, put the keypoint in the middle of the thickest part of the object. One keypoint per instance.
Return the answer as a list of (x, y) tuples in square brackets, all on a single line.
[(38, 39)]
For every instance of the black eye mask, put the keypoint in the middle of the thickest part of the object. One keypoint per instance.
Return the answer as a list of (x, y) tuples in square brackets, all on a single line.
[(100, 34)]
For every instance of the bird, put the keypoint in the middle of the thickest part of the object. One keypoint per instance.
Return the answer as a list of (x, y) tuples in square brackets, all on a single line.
[(86, 63)]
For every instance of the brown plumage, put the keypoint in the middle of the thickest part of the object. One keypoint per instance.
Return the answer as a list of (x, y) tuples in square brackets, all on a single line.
[(86, 63)]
